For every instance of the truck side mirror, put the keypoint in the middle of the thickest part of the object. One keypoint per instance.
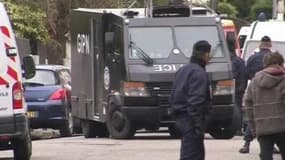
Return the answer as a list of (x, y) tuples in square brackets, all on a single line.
[(109, 40), (29, 67)]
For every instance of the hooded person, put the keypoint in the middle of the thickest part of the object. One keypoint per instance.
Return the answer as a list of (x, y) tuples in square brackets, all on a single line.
[(265, 105)]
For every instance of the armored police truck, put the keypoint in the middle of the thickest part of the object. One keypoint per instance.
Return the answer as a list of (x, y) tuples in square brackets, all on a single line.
[(124, 62)]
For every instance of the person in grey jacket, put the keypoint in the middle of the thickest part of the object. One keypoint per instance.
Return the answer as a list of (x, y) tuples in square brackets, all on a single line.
[(265, 105)]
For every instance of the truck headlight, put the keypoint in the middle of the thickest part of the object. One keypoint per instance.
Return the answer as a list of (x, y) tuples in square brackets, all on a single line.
[(135, 89), (225, 87)]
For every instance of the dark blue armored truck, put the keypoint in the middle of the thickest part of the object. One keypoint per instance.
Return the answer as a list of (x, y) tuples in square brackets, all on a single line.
[(124, 62)]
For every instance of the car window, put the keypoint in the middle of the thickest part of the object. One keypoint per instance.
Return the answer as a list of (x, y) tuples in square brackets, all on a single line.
[(43, 77)]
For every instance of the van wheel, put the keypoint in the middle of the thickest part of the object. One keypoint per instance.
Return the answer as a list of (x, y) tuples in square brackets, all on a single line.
[(227, 130), (23, 147), (118, 124), (67, 129), (88, 129), (173, 131)]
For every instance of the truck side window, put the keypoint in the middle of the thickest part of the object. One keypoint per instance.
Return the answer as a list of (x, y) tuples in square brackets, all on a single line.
[(118, 42)]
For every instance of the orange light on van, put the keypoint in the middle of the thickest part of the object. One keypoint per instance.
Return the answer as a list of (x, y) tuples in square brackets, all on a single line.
[(135, 89), (224, 87)]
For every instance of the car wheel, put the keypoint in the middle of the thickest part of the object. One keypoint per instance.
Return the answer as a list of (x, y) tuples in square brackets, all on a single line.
[(118, 124), (67, 129), (22, 147), (77, 129)]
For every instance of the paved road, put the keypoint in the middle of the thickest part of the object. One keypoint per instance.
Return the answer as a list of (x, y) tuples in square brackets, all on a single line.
[(142, 147)]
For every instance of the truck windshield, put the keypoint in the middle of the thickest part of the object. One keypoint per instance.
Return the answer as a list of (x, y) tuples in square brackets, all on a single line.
[(186, 36), (156, 42)]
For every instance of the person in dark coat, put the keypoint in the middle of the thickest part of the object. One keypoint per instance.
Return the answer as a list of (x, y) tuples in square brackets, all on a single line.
[(239, 73), (255, 64), (190, 102), (264, 106)]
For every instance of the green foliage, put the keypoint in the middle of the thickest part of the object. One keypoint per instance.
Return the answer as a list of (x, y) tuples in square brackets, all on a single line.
[(243, 7), (28, 21), (227, 8), (261, 6)]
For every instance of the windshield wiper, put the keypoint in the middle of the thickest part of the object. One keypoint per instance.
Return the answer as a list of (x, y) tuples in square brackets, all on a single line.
[(141, 54)]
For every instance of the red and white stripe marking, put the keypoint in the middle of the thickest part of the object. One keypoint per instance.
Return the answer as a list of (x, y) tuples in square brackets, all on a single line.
[(12, 75)]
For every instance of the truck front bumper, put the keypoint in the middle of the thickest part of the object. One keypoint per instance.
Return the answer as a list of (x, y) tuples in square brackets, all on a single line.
[(161, 115)]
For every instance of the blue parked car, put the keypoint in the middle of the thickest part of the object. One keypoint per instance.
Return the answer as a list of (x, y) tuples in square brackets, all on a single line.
[(48, 98)]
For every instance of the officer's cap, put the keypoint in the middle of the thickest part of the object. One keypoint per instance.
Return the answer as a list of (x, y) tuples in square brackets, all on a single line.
[(202, 46)]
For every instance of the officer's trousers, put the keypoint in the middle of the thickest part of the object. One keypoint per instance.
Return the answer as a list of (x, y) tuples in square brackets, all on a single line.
[(192, 146)]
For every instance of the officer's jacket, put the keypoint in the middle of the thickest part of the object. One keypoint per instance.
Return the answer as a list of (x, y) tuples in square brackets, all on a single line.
[(190, 91), (239, 73), (254, 63)]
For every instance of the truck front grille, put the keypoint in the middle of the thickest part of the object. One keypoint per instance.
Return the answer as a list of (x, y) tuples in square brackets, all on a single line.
[(162, 91)]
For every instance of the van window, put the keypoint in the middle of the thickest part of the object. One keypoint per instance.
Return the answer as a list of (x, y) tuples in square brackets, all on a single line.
[(187, 36)]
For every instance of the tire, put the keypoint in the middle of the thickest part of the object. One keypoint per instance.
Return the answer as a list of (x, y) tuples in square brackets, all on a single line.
[(22, 147), (118, 124), (173, 131), (227, 130), (101, 130), (88, 129), (67, 129), (76, 126)]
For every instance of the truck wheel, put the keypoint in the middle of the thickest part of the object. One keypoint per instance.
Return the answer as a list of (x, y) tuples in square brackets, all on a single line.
[(173, 131), (227, 130), (89, 129), (118, 124), (67, 129), (22, 147)]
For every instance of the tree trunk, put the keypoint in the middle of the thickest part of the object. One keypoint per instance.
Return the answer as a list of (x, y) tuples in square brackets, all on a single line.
[(214, 4)]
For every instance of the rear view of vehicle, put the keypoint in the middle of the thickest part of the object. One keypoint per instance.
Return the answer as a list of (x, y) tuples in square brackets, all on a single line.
[(14, 129), (48, 98), (257, 30)]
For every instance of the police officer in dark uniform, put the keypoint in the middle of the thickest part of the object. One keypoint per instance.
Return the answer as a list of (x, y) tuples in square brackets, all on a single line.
[(239, 74), (190, 102)]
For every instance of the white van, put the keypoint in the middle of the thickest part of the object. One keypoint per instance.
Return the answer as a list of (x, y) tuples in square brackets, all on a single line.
[(243, 32), (14, 128), (274, 29)]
